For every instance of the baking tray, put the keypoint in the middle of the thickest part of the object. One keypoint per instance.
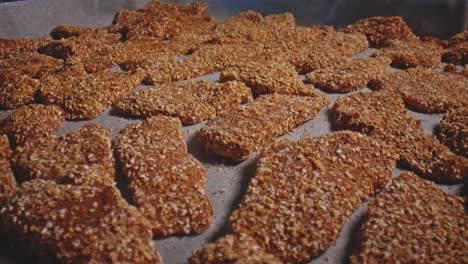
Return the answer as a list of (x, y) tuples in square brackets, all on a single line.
[(227, 181)]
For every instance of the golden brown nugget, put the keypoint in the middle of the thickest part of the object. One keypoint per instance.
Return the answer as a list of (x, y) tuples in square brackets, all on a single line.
[(32, 123), (207, 59), (192, 101), (380, 30), (304, 192), (266, 75), (413, 221), (250, 26), (457, 54), (250, 127), (426, 90), (112, 55), (17, 46), (75, 224), (68, 31), (233, 249), (167, 184), (292, 38), (32, 64), (168, 27), (183, 44), (352, 75), (453, 131), (18, 91), (412, 54), (452, 68), (83, 157), (79, 45), (332, 49), (382, 115), (163, 20), (7, 179), (456, 49), (86, 96)]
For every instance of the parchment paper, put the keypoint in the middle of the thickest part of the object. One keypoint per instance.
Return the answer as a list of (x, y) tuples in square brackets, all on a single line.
[(227, 182)]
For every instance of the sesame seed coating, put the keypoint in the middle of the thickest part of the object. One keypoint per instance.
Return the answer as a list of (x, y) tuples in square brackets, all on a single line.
[(250, 127), (78, 224), (412, 54), (7, 179), (426, 90), (111, 55), (68, 31), (233, 249), (86, 96), (167, 184), (457, 49), (382, 115), (163, 20), (252, 27), (19, 69), (304, 192), (207, 59), (380, 30), (32, 64), (413, 221), (326, 51), (351, 75), (18, 90), (32, 123), (83, 157), (79, 45), (266, 75), (453, 131), (192, 101), (12, 46)]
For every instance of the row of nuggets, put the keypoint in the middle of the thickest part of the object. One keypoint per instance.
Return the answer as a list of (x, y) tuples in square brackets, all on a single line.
[(69, 209)]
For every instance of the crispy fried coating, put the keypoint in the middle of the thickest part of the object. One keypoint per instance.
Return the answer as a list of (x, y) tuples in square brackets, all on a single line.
[(426, 90), (7, 179), (163, 20), (453, 131), (456, 49), (266, 75), (248, 128), (111, 55), (332, 49), (452, 68), (167, 184), (68, 31), (83, 157), (18, 91), (33, 123), (192, 101), (382, 115), (457, 54), (349, 76), (86, 96), (233, 249), (412, 54), (380, 30), (413, 221), (304, 192), (207, 59), (18, 74), (32, 64), (75, 224), (80, 45), (252, 27), (17, 46)]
